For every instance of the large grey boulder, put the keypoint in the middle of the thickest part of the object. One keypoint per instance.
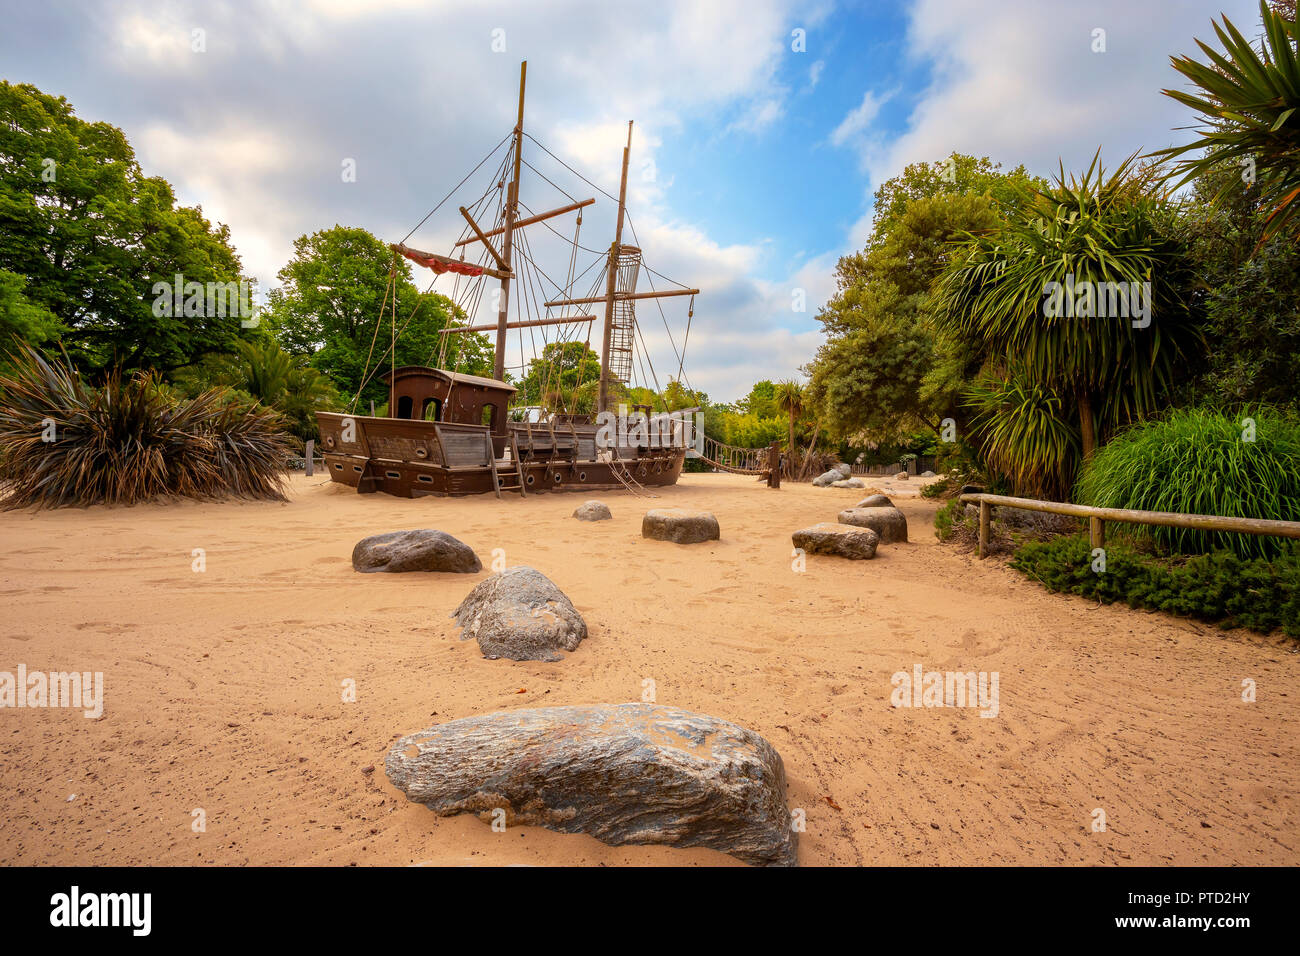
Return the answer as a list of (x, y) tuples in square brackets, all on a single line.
[(593, 511), (824, 480), (679, 525), (519, 613), (419, 550), (844, 470), (902, 476), (849, 483), (889, 523), (875, 501), (841, 540), (623, 773), (928, 474)]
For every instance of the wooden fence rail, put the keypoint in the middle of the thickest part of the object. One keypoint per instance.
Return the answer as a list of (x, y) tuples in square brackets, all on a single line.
[(1097, 518), (913, 467)]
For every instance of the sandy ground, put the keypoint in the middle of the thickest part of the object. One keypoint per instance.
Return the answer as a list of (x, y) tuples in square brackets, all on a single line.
[(224, 688)]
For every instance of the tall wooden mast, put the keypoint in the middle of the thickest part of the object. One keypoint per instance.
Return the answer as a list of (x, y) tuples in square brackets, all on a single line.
[(512, 210), (612, 276)]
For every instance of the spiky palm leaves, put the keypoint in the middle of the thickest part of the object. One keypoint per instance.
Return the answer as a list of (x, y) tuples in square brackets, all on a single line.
[(790, 397), (1026, 432), (1082, 292), (67, 443), (1250, 101)]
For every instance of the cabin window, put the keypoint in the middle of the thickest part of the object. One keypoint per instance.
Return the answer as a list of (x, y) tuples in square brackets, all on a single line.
[(489, 416), (404, 406), (432, 410)]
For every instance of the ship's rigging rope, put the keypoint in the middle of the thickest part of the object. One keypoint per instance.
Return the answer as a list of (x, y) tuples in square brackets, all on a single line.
[(458, 185), (528, 279), (419, 300)]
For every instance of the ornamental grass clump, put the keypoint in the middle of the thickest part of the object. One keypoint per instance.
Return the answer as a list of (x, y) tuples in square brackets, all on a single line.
[(1206, 462), (64, 442)]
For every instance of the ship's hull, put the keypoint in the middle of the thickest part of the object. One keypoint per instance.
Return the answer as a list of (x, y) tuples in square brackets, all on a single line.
[(411, 459)]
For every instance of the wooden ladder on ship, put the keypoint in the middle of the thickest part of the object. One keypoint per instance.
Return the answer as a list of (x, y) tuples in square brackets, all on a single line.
[(504, 478)]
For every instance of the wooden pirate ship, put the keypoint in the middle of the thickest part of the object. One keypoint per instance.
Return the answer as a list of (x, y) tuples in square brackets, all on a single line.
[(451, 433)]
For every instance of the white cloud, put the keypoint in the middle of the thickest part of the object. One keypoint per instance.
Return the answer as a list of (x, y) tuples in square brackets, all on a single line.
[(254, 130), (859, 119), (1018, 81)]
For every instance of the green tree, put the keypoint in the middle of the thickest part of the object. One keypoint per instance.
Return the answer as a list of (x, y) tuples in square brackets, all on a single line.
[(761, 400), (22, 319), (1250, 290), (336, 305), (790, 399), (886, 368), (565, 378), (91, 234), (956, 175), (260, 370), (1080, 234)]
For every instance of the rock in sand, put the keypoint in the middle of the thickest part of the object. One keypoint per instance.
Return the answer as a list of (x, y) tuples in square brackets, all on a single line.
[(519, 613), (875, 501), (593, 511), (623, 773), (888, 522), (679, 525), (840, 540), (419, 550)]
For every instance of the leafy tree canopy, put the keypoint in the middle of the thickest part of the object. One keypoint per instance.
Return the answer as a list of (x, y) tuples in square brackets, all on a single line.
[(885, 369), (336, 304), (92, 234)]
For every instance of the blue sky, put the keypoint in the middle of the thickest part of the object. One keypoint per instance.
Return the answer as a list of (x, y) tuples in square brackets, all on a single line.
[(753, 163), (788, 181)]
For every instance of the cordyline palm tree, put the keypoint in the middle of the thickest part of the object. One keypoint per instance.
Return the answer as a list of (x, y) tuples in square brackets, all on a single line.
[(789, 397), (1250, 103), (1092, 235), (275, 378)]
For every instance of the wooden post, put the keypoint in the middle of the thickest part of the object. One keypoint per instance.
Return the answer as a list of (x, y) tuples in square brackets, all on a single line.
[(611, 280), (774, 465), (984, 528), (311, 452), (1096, 532), (507, 244)]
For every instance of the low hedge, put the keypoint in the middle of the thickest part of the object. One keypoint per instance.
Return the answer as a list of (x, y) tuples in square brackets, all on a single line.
[(1219, 587)]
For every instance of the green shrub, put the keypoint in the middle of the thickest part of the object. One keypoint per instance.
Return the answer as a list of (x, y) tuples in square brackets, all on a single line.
[(1196, 461), (129, 441), (939, 489), (950, 519), (1220, 587)]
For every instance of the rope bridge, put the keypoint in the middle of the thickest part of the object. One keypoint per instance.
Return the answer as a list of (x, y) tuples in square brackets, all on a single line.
[(738, 461)]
